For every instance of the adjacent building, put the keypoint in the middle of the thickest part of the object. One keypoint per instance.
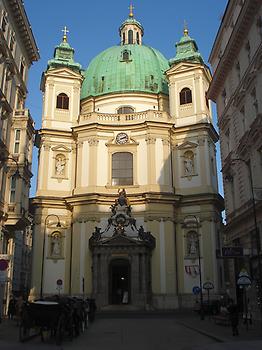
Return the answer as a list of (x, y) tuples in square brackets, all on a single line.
[(17, 53), (127, 201), (236, 59)]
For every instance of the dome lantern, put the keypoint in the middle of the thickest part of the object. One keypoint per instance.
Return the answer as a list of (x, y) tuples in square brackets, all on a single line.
[(131, 31)]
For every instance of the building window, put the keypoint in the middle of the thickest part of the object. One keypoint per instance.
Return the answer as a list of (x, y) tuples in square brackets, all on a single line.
[(122, 168), (124, 38), (238, 70), (125, 110), (22, 68), (243, 118), (248, 50), (62, 101), (130, 36), (4, 23), (224, 97), (185, 96), (12, 189), (12, 42), (17, 140)]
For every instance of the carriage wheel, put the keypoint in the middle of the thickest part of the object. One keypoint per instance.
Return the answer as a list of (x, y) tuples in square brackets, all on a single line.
[(60, 329), (23, 332)]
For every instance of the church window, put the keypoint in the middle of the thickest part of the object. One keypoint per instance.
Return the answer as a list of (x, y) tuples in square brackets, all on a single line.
[(130, 36), (124, 38), (125, 55), (122, 168), (62, 101), (137, 38), (185, 96), (192, 244), (125, 110)]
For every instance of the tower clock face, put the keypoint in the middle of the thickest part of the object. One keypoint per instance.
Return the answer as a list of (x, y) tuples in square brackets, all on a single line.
[(121, 138)]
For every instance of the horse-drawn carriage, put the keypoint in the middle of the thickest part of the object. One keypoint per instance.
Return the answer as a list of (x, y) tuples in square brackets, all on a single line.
[(56, 317)]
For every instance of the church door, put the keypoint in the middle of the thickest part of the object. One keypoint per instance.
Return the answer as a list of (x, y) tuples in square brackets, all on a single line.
[(119, 282)]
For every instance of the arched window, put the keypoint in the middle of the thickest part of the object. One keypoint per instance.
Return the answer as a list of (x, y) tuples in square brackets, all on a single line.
[(124, 37), (62, 101), (125, 110), (125, 55), (137, 38), (122, 168), (130, 36), (185, 96)]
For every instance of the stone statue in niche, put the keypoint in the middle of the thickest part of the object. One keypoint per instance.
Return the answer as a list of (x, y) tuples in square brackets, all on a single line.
[(60, 165), (55, 245), (192, 243), (188, 164)]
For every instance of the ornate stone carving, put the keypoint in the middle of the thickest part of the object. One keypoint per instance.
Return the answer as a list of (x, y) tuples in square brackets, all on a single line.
[(166, 141), (93, 141), (150, 140), (122, 224)]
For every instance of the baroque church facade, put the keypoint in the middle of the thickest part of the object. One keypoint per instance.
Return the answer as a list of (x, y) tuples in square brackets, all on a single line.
[(127, 208)]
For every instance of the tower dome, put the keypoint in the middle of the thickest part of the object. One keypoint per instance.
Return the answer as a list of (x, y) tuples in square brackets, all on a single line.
[(126, 68), (129, 67)]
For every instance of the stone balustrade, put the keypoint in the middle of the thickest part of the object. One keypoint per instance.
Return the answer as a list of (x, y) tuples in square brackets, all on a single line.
[(132, 118)]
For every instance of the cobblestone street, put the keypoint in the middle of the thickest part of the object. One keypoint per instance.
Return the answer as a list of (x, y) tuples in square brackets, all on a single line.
[(144, 331)]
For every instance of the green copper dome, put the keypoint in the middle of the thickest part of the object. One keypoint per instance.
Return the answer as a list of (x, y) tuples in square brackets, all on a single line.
[(186, 51), (126, 68)]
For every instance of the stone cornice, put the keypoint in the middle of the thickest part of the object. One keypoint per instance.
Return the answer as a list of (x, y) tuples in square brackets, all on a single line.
[(241, 28), (18, 13)]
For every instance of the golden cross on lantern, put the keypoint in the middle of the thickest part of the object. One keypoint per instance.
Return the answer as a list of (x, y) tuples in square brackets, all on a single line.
[(131, 9), (65, 31), (185, 28)]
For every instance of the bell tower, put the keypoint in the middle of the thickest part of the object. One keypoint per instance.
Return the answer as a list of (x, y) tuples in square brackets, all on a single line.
[(61, 84), (189, 80)]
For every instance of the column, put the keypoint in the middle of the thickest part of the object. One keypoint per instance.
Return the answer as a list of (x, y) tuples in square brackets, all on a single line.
[(151, 159)]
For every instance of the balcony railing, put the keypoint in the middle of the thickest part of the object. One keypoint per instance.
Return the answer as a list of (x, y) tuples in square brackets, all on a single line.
[(132, 118)]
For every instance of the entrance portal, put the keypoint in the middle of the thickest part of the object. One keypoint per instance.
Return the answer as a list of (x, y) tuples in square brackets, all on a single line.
[(119, 282)]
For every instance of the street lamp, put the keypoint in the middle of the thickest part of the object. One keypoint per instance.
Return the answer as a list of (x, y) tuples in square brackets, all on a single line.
[(257, 235), (43, 250), (199, 262)]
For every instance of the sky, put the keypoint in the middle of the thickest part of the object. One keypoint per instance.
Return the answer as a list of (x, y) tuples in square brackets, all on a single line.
[(93, 27)]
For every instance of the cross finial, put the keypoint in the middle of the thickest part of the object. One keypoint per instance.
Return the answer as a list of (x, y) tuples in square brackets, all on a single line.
[(131, 9), (65, 31), (185, 28)]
